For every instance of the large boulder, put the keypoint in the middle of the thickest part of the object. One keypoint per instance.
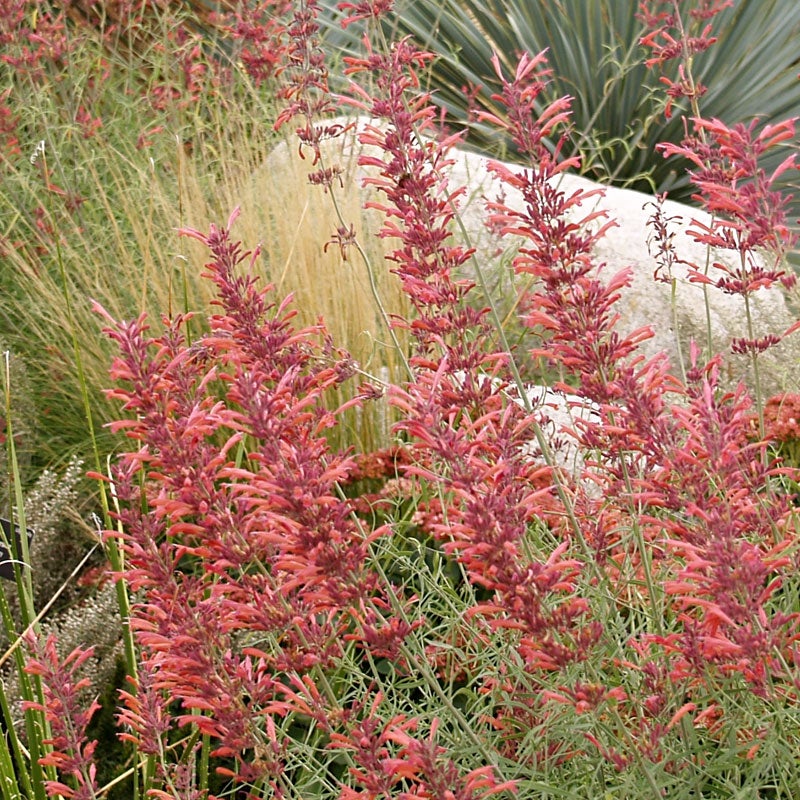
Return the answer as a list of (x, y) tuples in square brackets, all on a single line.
[(677, 315)]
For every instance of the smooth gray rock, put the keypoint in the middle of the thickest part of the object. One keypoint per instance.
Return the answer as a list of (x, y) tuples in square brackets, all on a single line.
[(675, 321)]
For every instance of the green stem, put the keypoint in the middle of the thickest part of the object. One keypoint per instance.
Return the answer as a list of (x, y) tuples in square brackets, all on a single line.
[(756, 371)]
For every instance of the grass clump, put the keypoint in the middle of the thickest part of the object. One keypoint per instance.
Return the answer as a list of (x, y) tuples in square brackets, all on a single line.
[(118, 135)]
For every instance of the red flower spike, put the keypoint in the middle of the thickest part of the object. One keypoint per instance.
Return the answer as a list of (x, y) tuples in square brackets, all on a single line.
[(369, 9), (68, 749), (258, 31), (304, 88), (750, 214), (671, 37), (222, 553)]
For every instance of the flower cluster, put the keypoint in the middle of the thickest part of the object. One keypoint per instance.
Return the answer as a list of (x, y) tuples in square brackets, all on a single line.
[(275, 554), (467, 437), (484, 616), (750, 214), (672, 36), (782, 417), (259, 31), (68, 715), (748, 211), (305, 89)]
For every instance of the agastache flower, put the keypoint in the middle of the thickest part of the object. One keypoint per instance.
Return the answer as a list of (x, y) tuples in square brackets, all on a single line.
[(144, 712), (660, 240), (671, 37), (387, 755), (229, 554), (40, 41), (750, 215), (70, 750), (305, 88), (571, 305), (369, 9), (782, 418), (467, 436), (530, 127), (259, 31), (726, 537), (419, 207)]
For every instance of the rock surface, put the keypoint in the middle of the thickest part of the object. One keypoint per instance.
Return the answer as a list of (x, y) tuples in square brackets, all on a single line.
[(674, 321)]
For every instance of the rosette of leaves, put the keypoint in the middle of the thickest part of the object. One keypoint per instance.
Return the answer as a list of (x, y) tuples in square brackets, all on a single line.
[(595, 56)]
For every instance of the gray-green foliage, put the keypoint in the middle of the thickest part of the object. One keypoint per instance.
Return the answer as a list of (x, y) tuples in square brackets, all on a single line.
[(595, 55), (76, 616), (60, 539)]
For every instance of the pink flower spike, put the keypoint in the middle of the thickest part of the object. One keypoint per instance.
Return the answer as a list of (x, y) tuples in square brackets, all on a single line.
[(527, 64), (234, 215)]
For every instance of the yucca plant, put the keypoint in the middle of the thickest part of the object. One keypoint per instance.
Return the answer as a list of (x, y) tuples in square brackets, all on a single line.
[(595, 57)]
